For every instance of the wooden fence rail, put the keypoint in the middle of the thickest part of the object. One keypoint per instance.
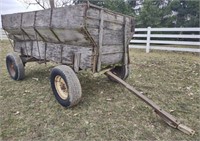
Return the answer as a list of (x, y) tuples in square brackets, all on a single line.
[(167, 40)]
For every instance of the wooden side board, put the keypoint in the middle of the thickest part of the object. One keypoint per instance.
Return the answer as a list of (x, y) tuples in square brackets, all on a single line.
[(112, 32), (64, 54), (60, 25), (59, 53)]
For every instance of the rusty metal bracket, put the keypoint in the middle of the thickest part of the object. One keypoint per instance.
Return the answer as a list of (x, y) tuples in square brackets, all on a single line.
[(167, 117)]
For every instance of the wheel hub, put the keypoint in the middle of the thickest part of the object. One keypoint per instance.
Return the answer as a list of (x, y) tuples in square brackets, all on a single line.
[(61, 87), (12, 69)]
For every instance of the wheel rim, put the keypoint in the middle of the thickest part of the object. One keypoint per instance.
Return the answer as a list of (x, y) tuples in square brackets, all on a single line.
[(12, 69), (61, 87)]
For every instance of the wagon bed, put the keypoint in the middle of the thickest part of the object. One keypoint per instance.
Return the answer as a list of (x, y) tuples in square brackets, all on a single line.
[(84, 36)]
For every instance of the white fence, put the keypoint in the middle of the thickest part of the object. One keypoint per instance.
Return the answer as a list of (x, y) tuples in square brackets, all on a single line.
[(2, 35), (152, 40)]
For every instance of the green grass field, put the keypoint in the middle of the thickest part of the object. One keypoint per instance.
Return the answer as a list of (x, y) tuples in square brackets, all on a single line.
[(107, 110)]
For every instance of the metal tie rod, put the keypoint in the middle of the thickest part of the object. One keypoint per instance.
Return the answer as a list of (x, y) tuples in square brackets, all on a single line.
[(167, 117)]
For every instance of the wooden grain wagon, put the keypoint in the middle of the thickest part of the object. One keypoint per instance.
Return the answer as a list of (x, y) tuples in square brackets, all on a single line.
[(81, 36)]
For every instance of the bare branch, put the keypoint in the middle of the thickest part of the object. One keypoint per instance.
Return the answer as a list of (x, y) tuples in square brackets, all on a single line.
[(47, 3), (41, 5)]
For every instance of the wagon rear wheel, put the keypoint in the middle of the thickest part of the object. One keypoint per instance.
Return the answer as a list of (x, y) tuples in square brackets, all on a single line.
[(15, 66), (65, 85), (120, 71)]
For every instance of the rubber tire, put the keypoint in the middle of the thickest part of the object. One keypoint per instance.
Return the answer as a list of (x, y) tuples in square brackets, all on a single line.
[(120, 71), (73, 83), (18, 66)]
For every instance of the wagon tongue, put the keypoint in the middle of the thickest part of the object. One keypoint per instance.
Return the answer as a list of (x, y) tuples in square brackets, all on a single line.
[(167, 117)]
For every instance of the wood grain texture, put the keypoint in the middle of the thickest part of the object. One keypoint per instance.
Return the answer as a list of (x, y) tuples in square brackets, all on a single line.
[(61, 32), (76, 61), (100, 40), (59, 53), (110, 59)]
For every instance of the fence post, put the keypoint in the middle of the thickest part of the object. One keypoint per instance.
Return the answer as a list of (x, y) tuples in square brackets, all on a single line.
[(148, 39)]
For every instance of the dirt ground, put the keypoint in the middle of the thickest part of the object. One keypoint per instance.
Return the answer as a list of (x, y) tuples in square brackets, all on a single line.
[(107, 110)]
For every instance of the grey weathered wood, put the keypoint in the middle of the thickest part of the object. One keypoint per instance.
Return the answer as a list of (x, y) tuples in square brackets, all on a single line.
[(93, 12), (110, 49), (110, 59), (110, 37), (100, 39), (125, 58), (43, 18), (76, 61), (54, 52), (11, 21), (68, 17), (28, 19)]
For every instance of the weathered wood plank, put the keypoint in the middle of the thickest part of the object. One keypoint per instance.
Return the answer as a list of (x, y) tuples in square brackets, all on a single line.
[(11, 21), (76, 61), (94, 23), (42, 18), (125, 56), (112, 49), (28, 19), (68, 17), (113, 17), (110, 59), (25, 47), (100, 40), (47, 34), (93, 12), (54, 52), (72, 37), (110, 37), (86, 55)]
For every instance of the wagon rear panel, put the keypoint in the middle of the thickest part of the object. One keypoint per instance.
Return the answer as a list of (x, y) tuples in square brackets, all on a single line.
[(111, 32)]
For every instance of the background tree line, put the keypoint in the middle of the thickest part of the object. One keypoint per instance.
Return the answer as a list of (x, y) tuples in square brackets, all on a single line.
[(156, 13)]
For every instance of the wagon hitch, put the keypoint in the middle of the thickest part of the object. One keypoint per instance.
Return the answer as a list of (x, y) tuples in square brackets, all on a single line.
[(167, 117)]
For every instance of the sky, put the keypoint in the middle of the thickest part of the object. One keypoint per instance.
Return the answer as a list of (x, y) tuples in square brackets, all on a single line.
[(14, 6)]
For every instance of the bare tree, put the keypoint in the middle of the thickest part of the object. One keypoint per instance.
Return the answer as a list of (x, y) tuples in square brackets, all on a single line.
[(45, 4)]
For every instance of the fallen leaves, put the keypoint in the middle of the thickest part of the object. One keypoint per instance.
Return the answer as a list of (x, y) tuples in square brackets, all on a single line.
[(17, 113), (188, 88), (34, 78), (190, 94), (108, 99)]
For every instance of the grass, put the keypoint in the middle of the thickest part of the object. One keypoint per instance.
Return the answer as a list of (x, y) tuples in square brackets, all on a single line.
[(107, 111)]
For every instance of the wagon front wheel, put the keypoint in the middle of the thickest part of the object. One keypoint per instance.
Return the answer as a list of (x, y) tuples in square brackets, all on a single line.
[(15, 66), (65, 86)]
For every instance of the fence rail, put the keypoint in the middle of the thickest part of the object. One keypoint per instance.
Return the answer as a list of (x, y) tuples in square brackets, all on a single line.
[(167, 40)]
